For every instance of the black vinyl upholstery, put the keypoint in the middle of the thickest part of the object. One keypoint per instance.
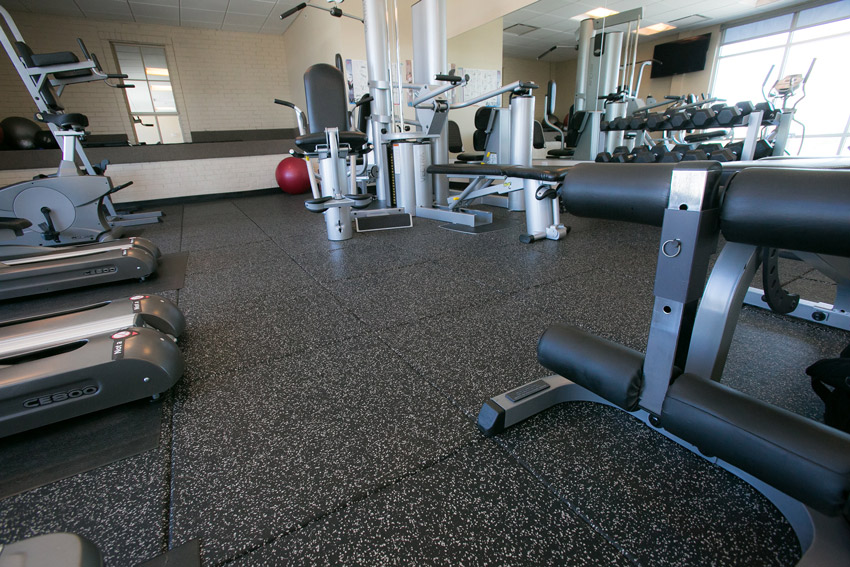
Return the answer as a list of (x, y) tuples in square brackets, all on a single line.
[(73, 120), (48, 95), (455, 139), (762, 207), (597, 190), (537, 140), (606, 368), (805, 459), (324, 87)]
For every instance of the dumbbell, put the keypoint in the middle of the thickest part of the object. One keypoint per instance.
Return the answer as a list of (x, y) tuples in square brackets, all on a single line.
[(603, 126), (736, 148), (695, 155), (642, 154), (708, 148), (723, 154), (657, 121), (672, 156), (770, 113), (704, 118), (660, 150), (681, 120), (637, 122), (763, 149)]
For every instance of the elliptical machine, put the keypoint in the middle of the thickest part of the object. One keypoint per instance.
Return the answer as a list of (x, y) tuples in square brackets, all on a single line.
[(80, 209)]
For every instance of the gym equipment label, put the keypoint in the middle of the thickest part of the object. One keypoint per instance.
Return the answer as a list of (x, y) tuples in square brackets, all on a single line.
[(118, 343)]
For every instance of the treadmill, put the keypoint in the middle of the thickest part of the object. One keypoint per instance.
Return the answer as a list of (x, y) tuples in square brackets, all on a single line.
[(30, 270), (68, 363)]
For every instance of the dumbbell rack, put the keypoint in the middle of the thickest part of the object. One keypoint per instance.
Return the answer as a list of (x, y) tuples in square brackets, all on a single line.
[(749, 150)]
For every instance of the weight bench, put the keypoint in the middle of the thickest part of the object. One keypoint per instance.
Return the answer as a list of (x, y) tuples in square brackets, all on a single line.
[(802, 466), (542, 208)]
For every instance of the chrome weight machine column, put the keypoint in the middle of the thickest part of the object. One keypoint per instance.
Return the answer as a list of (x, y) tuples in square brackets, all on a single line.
[(377, 62), (522, 133), (430, 60)]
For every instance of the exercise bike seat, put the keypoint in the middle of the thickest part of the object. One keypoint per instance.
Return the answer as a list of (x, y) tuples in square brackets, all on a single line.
[(308, 142), (70, 121)]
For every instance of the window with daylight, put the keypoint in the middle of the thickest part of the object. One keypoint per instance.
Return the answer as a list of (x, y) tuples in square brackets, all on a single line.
[(151, 100), (790, 43)]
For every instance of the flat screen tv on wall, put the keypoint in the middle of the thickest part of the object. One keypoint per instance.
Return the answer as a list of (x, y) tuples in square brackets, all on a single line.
[(680, 56)]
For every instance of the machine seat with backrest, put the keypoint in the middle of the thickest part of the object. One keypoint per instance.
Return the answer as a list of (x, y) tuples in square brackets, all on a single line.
[(324, 86)]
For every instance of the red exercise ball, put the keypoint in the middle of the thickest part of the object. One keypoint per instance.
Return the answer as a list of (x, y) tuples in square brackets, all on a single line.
[(292, 176)]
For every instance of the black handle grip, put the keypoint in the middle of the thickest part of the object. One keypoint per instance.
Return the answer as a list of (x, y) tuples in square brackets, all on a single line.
[(284, 103), (450, 78), (291, 11), (365, 99)]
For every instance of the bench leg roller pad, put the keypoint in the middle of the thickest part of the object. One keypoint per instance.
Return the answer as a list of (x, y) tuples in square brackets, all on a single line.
[(608, 369), (804, 459)]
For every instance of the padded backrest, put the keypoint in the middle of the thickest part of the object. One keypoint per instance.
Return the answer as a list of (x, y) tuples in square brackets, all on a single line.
[(537, 140), (479, 140), (455, 139), (574, 128), (48, 95), (550, 95), (324, 86)]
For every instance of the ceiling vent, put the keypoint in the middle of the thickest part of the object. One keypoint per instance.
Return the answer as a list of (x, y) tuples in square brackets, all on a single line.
[(520, 29), (687, 21)]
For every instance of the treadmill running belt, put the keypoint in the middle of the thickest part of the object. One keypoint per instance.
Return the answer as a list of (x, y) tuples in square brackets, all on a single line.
[(47, 454)]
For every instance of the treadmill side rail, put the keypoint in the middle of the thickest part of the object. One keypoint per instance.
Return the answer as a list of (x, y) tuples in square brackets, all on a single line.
[(98, 373)]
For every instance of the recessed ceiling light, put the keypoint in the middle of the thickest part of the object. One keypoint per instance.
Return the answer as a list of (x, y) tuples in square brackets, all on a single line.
[(656, 28), (595, 13)]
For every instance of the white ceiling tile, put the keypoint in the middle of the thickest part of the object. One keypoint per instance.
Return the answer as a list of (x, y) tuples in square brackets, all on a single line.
[(172, 3), (160, 21), (109, 16), (245, 20), (214, 5), (118, 7), (240, 28), (206, 16), (53, 7), (253, 7), (153, 11), (206, 25)]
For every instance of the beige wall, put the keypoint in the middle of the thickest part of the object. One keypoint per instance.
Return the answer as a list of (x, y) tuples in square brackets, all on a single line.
[(479, 48), (222, 80), (539, 72)]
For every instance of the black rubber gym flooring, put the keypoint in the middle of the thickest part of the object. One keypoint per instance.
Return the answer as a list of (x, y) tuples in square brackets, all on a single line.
[(327, 412)]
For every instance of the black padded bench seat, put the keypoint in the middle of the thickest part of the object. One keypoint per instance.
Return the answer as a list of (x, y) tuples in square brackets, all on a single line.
[(536, 173), (308, 142), (467, 169)]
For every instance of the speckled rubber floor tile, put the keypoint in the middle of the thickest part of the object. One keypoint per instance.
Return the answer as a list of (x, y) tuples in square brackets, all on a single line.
[(121, 507), (663, 504), (270, 447), (408, 294), (609, 303), (474, 353), (475, 508), (769, 356)]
